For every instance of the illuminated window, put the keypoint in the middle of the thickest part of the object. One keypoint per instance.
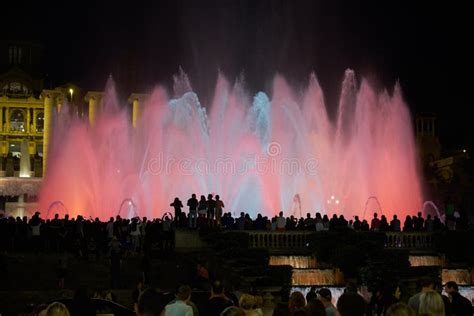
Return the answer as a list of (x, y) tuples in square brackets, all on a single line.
[(39, 150), (15, 149), (40, 122), (17, 121)]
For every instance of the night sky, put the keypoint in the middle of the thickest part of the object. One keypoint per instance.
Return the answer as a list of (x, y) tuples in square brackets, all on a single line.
[(424, 44)]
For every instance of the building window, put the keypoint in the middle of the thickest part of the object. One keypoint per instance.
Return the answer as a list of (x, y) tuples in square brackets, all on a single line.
[(15, 55), (40, 122), (39, 150), (15, 149), (17, 121)]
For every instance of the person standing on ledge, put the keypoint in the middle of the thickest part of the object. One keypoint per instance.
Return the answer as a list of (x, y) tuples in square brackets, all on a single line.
[(219, 207), (202, 206), (211, 206), (280, 222), (193, 208), (178, 205), (202, 212)]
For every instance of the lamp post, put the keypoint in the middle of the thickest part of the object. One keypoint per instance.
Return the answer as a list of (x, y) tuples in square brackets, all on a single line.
[(71, 92)]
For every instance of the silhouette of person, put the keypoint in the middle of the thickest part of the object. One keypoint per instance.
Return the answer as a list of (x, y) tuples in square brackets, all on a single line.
[(211, 206), (193, 208), (219, 207), (202, 206), (177, 204)]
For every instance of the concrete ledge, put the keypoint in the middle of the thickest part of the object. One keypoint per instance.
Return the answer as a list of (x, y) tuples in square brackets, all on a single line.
[(188, 240)]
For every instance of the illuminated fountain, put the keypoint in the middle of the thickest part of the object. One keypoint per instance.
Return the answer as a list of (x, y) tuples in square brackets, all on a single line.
[(321, 277), (460, 276), (336, 291), (306, 274), (426, 260), (429, 207), (297, 262), (127, 209), (306, 271), (264, 153), (56, 207), (372, 205)]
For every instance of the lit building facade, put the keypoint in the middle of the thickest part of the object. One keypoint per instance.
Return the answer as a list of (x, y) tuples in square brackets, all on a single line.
[(26, 115)]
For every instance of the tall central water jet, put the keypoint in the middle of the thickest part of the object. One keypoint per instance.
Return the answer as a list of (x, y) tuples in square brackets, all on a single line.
[(259, 154)]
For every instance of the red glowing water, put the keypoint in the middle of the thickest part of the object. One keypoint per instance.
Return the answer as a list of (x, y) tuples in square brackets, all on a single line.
[(260, 155)]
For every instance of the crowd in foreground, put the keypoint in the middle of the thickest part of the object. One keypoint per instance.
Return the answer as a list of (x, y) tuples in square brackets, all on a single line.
[(92, 238), (317, 302)]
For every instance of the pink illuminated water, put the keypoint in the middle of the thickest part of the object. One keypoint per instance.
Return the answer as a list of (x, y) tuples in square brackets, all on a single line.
[(260, 154)]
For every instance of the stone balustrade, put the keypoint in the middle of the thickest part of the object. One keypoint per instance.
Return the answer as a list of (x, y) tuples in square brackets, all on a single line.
[(278, 240), (300, 239), (409, 240)]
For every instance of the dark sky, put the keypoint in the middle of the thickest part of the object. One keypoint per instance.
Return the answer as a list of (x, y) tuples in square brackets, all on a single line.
[(424, 44)]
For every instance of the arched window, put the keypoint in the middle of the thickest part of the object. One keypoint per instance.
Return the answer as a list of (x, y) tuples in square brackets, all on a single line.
[(40, 122), (17, 121)]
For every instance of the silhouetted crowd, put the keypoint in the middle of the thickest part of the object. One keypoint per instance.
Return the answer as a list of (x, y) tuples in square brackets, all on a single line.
[(92, 236), (85, 236), (204, 213)]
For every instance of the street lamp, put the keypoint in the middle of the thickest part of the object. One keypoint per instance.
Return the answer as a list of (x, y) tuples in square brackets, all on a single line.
[(71, 91)]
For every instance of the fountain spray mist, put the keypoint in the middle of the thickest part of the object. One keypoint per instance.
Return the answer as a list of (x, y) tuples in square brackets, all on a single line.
[(260, 154)]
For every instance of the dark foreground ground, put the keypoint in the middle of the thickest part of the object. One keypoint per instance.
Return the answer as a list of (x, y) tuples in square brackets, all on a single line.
[(30, 279)]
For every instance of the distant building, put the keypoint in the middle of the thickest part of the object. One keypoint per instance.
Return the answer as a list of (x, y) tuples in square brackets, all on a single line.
[(21, 110), (438, 167), (428, 143), (26, 113), (21, 72)]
